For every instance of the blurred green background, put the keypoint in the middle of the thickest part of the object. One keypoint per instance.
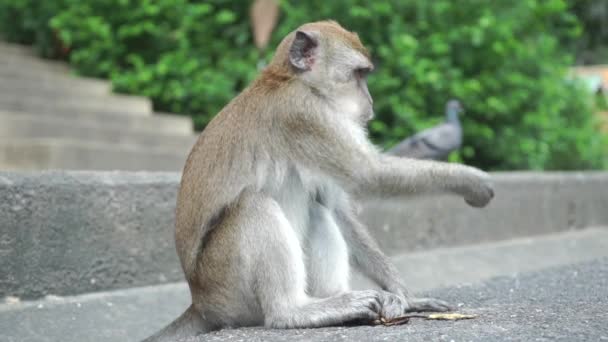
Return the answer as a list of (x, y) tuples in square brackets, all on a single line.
[(507, 61)]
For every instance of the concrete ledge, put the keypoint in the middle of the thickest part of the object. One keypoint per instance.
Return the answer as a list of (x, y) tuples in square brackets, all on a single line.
[(526, 203), (111, 230), (74, 232)]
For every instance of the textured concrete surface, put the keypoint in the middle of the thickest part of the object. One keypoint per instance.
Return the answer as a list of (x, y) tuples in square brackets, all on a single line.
[(157, 123), (52, 119), (526, 203), (15, 55), (34, 103), (564, 304), (28, 80), (141, 311), (32, 126), (85, 231), (122, 315), (44, 154), (441, 267), (66, 233), (117, 102)]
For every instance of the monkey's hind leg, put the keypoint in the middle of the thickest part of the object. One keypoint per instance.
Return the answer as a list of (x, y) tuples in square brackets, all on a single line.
[(279, 275)]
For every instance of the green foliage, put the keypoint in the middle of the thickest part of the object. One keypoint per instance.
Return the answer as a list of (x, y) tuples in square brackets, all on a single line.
[(502, 59), (592, 46), (190, 57), (27, 22)]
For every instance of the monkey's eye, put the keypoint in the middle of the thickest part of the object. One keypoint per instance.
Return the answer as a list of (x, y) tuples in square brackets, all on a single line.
[(362, 72)]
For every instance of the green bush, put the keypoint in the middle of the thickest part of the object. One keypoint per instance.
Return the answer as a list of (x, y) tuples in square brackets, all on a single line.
[(502, 59), (27, 22)]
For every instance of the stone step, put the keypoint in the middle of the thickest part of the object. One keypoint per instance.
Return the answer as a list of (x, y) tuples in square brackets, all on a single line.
[(28, 81), (15, 49), (22, 70), (163, 124), (29, 126), (111, 103), (33, 63), (71, 93), (127, 219), (43, 154), (133, 314), (21, 55), (33, 102)]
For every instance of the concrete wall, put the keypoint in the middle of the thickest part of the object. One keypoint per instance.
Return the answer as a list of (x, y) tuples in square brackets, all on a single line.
[(74, 232), (526, 203)]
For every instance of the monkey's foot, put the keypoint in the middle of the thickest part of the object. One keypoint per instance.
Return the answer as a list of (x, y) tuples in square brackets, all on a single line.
[(427, 304)]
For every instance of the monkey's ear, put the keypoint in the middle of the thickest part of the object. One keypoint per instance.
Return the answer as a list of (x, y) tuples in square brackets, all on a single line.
[(302, 51)]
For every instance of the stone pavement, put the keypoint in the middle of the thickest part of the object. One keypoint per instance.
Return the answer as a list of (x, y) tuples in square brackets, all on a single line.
[(567, 303)]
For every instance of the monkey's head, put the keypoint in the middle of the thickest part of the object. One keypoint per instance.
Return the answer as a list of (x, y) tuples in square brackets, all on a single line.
[(333, 63)]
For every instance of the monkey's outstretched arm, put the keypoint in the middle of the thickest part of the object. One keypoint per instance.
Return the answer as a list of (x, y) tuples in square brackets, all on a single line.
[(343, 152), (404, 176)]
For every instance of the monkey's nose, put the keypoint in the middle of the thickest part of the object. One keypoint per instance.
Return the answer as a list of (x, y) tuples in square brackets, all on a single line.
[(371, 115)]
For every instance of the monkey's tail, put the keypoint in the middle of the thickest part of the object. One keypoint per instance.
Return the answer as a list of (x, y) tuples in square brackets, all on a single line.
[(189, 324)]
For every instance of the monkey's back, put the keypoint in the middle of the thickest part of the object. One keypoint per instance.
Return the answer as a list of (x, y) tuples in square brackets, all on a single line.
[(223, 162)]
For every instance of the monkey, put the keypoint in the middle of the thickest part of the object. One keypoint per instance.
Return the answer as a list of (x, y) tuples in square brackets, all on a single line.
[(266, 227)]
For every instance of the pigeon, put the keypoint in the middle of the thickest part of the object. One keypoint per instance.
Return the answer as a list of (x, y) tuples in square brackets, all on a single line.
[(436, 142)]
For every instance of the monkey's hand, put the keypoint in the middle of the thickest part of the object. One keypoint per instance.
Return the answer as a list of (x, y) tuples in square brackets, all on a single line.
[(393, 306), (475, 186)]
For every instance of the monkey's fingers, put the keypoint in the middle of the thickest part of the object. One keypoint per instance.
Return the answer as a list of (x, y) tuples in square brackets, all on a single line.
[(427, 304), (394, 321)]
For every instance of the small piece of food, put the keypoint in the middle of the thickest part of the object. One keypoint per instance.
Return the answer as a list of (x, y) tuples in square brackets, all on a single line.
[(450, 316), (436, 316)]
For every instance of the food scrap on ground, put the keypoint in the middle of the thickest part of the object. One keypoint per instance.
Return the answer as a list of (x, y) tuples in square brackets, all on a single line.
[(433, 316)]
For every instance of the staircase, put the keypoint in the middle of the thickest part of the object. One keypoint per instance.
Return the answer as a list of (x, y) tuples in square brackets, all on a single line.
[(50, 119)]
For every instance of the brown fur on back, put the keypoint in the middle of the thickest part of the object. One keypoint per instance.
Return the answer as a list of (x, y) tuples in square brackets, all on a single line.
[(222, 162)]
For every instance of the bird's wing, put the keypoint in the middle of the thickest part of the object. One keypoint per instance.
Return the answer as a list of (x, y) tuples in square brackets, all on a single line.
[(413, 147), (445, 137), (435, 143)]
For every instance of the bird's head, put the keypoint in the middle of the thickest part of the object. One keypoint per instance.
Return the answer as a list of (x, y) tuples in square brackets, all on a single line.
[(452, 109)]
